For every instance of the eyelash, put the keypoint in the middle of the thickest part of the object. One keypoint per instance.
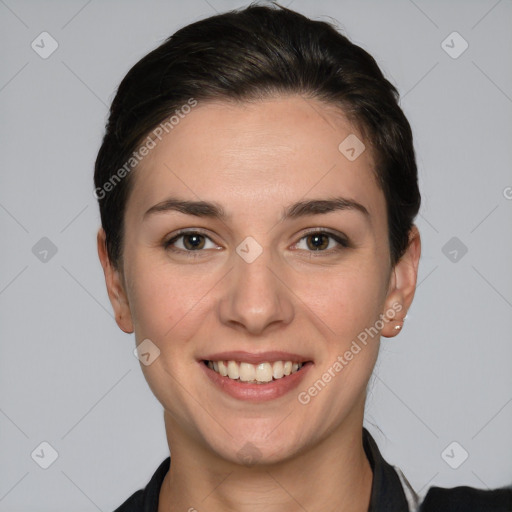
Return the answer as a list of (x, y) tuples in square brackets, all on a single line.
[(341, 241)]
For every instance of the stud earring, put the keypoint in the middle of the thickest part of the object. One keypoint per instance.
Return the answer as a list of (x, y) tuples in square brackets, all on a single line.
[(400, 325)]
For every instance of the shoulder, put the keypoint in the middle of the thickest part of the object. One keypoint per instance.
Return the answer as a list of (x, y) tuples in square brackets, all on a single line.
[(146, 500), (133, 504), (467, 499)]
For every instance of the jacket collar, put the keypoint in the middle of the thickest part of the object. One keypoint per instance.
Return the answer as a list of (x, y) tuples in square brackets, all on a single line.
[(387, 491)]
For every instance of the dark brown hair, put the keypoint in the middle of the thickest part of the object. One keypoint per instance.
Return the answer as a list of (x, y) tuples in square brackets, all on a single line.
[(246, 55)]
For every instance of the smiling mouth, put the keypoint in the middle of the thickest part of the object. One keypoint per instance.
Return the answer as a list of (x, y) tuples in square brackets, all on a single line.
[(261, 373)]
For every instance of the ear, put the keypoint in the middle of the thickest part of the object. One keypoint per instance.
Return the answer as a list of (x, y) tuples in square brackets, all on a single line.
[(115, 287), (402, 286)]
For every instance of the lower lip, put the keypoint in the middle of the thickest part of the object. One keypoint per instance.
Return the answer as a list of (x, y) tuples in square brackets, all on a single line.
[(257, 392)]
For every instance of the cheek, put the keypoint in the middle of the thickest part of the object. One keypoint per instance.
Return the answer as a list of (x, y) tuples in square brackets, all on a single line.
[(348, 308), (167, 308), (173, 306), (350, 301), (169, 302), (160, 299)]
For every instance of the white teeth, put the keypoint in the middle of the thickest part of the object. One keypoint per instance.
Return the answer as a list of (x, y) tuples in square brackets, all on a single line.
[(233, 370), (277, 370), (264, 372), (260, 373), (223, 369), (247, 372)]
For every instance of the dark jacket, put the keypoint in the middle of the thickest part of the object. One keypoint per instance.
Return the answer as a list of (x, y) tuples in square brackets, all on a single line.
[(390, 491)]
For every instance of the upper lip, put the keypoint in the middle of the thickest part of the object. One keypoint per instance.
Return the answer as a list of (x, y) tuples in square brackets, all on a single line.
[(256, 357)]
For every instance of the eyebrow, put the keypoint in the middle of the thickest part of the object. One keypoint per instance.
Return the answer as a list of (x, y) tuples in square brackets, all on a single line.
[(216, 211)]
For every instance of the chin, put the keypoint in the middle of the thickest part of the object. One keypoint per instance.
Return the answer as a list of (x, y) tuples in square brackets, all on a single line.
[(263, 444)]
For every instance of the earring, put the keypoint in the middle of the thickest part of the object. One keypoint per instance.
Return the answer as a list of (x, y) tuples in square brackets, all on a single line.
[(399, 326)]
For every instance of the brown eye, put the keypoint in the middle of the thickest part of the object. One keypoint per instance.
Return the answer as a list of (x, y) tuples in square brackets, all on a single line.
[(317, 241), (194, 241), (189, 241), (322, 242)]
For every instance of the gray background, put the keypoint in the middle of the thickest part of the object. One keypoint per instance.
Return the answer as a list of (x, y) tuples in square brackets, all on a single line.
[(68, 375)]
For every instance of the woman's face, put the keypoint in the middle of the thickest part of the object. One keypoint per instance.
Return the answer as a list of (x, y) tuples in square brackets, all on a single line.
[(280, 277)]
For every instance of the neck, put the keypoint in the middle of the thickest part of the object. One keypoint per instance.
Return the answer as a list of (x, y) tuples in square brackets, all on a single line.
[(333, 475)]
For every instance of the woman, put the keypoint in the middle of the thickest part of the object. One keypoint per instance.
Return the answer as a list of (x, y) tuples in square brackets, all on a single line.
[(257, 187)]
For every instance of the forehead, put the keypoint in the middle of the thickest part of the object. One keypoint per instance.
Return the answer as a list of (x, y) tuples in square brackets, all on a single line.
[(282, 149)]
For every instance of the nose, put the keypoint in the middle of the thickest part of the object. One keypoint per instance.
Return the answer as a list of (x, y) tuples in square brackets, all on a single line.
[(256, 298)]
